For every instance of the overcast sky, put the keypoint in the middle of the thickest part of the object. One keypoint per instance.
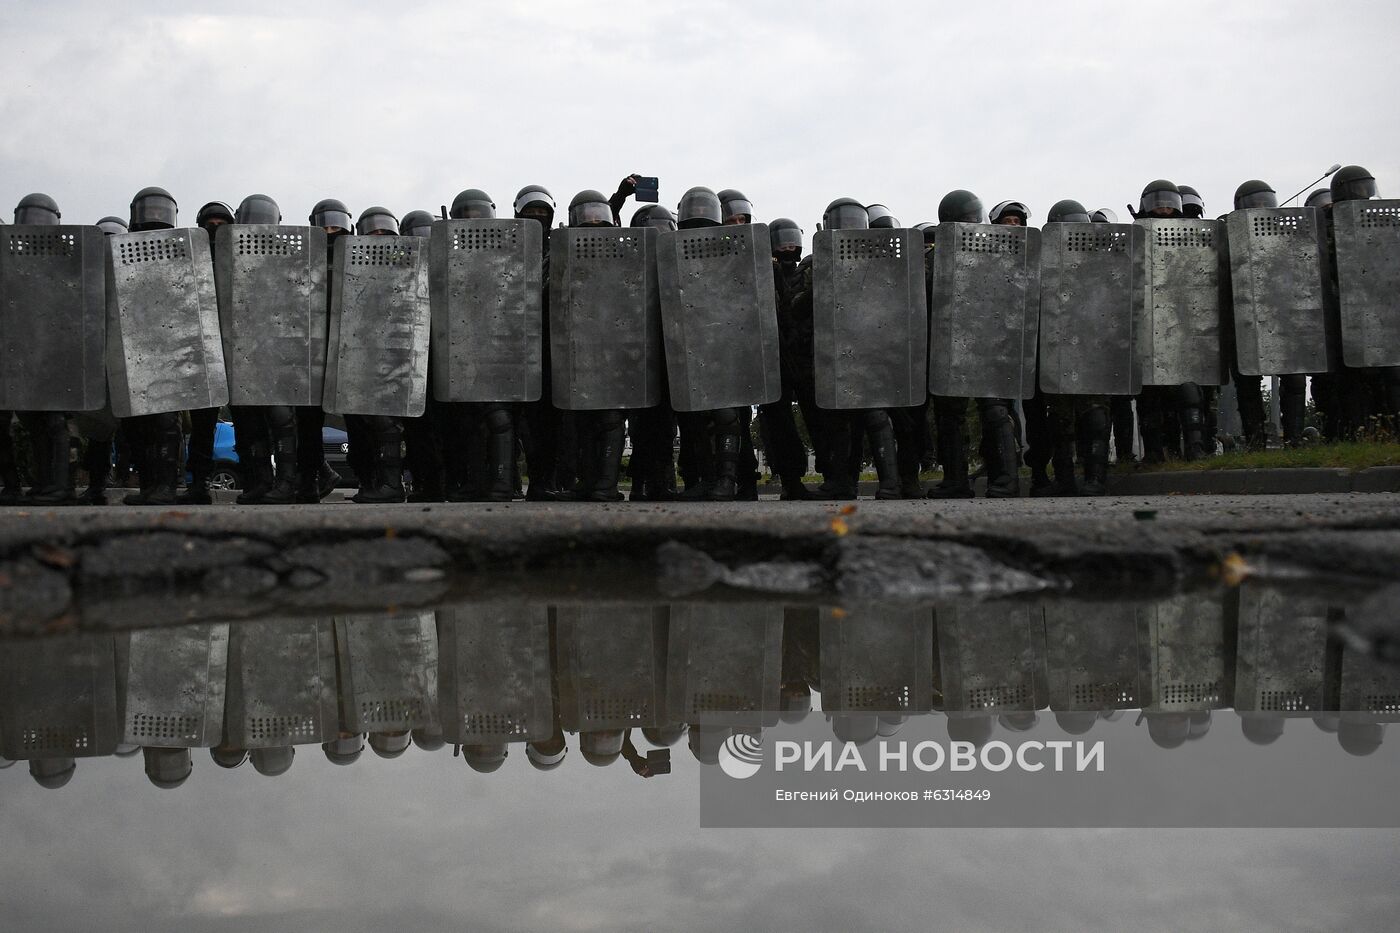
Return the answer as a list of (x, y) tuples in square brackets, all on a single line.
[(404, 104)]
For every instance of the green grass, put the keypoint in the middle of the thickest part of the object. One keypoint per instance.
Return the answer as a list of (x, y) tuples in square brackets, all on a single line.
[(1349, 456)]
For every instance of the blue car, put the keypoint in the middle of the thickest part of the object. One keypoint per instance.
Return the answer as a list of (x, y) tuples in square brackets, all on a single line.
[(226, 474)]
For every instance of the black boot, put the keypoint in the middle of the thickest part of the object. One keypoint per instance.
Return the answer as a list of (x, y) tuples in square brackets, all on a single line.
[(163, 463), (97, 460), (794, 490), (197, 492), (11, 489), (53, 474), (1002, 460), (388, 474), (1193, 423), (726, 484), (702, 459), (1062, 462), (606, 449), (837, 483), (1292, 405), (886, 463), (286, 479), (500, 455), (1093, 428), (952, 451), (256, 474)]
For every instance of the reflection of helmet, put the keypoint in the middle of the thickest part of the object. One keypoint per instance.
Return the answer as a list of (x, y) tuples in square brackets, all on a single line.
[(549, 754), (590, 209), (974, 729), (214, 210), (40, 210), (110, 225), (889, 725), (537, 199), (1353, 183), (1327, 722), (706, 741), (1012, 208), (1192, 204), (733, 204), (1360, 738), (273, 761), (600, 748), (127, 751), (1255, 193), (5, 763), (881, 217), (1104, 215), (1168, 730), (654, 215), (1261, 730), (485, 758), (1200, 724), (52, 773), (1068, 211), (1019, 722), (960, 206), (428, 738), (1320, 198), (856, 728), (845, 214), (377, 218), (417, 223), (472, 204), (1160, 193), (153, 209), (795, 702), (341, 751), (664, 736), (1076, 723), (258, 209), (389, 744), (226, 757), (699, 207), (784, 232), (167, 767), (929, 229), (330, 213)]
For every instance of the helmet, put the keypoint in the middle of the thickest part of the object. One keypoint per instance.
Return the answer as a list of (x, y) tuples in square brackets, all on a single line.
[(1200, 724), (167, 767), (590, 209), (961, 207), (1104, 215), (5, 763), (699, 207), (974, 729), (600, 748), (929, 229), (126, 751), (1076, 723), (1255, 193), (331, 213), (1009, 209), (1261, 729), (549, 754), (890, 725), (855, 728), (273, 761), (428, 738), (881, 217), (417, 223), (485, 758), (52, 773), (258, 209), (845, 214), (110, 225), (472, 204), (705, 742), (154, 209), (1020, 721), (733, 204), (784, 233), (1168, 730), (344, 750), (1192, 204), (1067, 211), (214, 210), (535, 196), (37, 209), (1353, 183), (389, 744), (795, 701), (226, 757), (1356, 738), (654, 215), (1160, 194), (377, 218), (1327, 722), (664, 736), (1320, 198)]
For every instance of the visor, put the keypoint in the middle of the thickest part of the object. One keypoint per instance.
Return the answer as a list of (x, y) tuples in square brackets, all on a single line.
[(339, 219), (785, 236), (154, 209), (700, 205), (534, 196), (1155, 199), (737, 206), (36, 216), (1257, 199), (847, 217), (374, 222), (590, 214), (474, 210), (1359, 189)]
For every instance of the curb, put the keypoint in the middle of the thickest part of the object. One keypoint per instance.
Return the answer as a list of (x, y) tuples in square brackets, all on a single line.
[(1274, 482)]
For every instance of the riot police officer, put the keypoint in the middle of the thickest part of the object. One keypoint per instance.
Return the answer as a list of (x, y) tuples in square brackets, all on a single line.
[(98, 427), (204, 421), (653, 430), (787, 455), (317, 479), (1249, 389), (424, 437)]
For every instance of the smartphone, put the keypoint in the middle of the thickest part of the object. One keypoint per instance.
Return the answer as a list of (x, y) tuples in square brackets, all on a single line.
[(648, 189), (659, 759)]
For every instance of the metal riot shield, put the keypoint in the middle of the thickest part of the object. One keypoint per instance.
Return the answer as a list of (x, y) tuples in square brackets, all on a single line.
[(611, 664), (487, 294), (1188, 659), (281, 684), (869, 318), (1090, 283), (170, 686), (719, 316), (1092, 655), (53, 319), (494, 674), (1367, 234), (877, 661), (984, 316), (1283, 319), (377, 356), (724, 664), (272, 312), (990, 658), (164, 351), (388, 667), (1280, 659), (604, 318), (58, 698), (1178, 331), (1367, 685)]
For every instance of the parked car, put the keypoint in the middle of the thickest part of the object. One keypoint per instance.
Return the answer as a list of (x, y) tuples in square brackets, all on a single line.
[(227, 474)]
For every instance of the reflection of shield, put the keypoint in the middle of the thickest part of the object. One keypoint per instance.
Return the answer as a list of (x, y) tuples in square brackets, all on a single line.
[(53, 319), (171, 686), (991, 657), (878, 661), (1178, 333), (1281, 653), (58, 698), (985, 313), (869, 318), (494, 674), (487, 312), (724, 664), (281, 683), (1369, 685), (272, 312), (388, 672), (1092, 656), (611, 666), (1187, 662), (1368, 279)]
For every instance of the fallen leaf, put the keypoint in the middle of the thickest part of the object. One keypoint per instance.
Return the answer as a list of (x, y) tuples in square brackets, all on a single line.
[(839, 526)]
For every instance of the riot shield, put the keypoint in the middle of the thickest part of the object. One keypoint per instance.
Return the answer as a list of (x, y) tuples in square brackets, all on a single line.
[(272, 312), (1280, 659), (493, 673), (1368, 685), (377, 356), (281, 684), (604, 318), (719, 317), (990, 658), (1178, 331), (170, 686), (869, 318), (388, 667), (877, 661), (1188, 659), (1284, 321), (724, 664), (164, 351), (53, 319), (486, 292), (1367, 234), (58, 698), (1092, 656), (1090, 283), (611, 665), (984, 313)]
